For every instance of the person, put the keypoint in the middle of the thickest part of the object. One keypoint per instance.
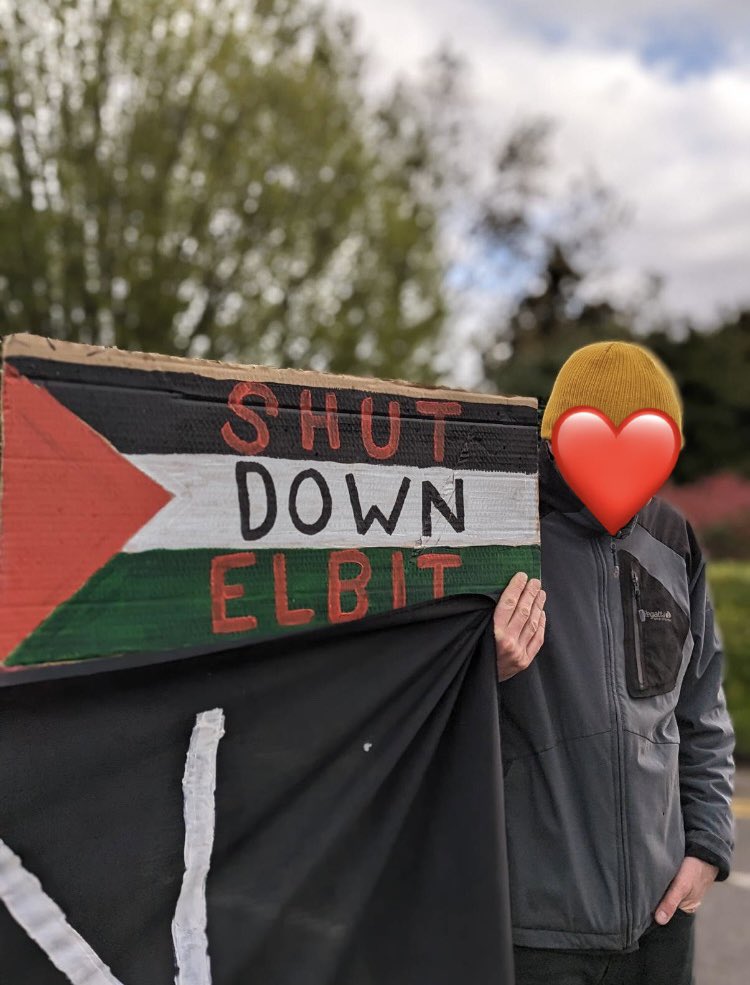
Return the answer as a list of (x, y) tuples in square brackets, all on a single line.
[(617, 746)]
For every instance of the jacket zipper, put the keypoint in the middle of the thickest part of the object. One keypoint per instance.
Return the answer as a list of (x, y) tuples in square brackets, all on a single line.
[(618, 740), (638, 616), (615, 565)]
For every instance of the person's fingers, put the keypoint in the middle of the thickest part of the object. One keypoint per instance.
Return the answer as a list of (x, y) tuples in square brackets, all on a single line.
[(509, 655), (532, 623), (535, 643), (523, 610), (513, 658), (519, 610), (506, 604), (689, 906), (677, 892)]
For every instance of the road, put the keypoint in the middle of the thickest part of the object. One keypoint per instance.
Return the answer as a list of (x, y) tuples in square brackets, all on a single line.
[(723, 922)]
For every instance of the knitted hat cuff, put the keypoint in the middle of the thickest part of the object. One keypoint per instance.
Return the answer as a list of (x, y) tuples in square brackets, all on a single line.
[(617, 378)]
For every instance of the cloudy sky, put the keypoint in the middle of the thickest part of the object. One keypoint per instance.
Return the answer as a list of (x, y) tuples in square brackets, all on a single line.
[(653, 95)]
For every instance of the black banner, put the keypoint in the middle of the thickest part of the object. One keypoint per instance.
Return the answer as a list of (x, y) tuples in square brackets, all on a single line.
[(355, 835)]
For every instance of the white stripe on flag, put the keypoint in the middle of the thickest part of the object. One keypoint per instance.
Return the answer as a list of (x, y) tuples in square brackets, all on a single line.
[(500, 508), (199, 786), (45, 923)]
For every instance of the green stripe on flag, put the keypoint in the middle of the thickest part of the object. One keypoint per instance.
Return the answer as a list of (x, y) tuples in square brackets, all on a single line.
[(161, 600)]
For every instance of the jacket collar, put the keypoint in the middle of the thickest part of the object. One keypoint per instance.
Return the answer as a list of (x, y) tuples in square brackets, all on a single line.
[(555, 495)]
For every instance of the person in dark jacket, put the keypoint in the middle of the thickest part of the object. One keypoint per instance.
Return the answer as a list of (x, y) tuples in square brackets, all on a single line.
[(617, 746)]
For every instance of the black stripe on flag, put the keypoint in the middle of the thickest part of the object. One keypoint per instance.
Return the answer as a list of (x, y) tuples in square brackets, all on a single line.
[(157, 412)]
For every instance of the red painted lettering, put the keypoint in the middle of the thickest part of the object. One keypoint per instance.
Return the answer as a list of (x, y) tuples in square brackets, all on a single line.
[(439, 409), (398, 582), (240, 392), (389, 449), (310, 419), (438, 563), (221, 593), (284, 615), (338, 585)]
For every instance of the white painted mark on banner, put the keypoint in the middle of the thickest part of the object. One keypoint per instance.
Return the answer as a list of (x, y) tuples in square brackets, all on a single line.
[(199, 786), (45, 923)]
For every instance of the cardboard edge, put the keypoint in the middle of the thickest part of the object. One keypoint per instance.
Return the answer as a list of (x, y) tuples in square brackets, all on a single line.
[(26, 344), (3, 343)]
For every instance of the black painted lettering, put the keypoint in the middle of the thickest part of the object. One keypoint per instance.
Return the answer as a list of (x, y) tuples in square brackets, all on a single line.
[(326, 502), (241, 472), (375, 513), (431, 497)]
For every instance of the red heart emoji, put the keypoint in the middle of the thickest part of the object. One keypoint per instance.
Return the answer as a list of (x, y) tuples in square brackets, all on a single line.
[(615, 470)]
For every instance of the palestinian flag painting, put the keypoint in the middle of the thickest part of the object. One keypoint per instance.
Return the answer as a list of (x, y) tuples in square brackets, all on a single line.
[(152, 504)]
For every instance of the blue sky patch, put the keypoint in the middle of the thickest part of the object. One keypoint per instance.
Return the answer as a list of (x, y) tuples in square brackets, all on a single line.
[(685, 50)]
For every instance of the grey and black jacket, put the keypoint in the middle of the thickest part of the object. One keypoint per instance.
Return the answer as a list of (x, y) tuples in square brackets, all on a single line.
[(617, 745)]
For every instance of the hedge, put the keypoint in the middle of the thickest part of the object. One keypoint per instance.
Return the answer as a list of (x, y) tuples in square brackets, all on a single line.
[(730, 590)]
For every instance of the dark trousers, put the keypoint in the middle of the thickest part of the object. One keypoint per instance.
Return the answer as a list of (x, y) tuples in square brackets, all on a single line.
[(664, 957)]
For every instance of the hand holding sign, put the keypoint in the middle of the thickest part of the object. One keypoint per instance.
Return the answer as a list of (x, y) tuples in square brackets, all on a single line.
[(518, 623)]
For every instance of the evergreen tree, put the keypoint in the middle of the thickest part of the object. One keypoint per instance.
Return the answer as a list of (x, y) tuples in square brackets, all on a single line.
[(712, 371)]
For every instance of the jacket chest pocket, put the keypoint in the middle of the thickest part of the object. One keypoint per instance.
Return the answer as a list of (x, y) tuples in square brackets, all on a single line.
[(655, 631)]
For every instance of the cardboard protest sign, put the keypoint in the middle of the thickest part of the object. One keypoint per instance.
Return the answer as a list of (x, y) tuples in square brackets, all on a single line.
[(155, 504), (312, 793)]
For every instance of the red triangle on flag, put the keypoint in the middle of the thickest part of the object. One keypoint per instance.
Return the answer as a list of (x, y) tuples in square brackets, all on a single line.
[(68, 503)]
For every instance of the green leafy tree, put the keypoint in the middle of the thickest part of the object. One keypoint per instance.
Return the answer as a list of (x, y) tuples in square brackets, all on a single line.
[(711, 370), (730, 586), (206, 177)]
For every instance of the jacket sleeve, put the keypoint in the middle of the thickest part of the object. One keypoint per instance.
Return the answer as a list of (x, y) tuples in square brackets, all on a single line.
[(706, 733)]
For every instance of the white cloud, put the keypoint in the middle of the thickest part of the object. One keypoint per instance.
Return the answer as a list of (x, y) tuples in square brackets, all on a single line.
[(676, 149), (598, 18)]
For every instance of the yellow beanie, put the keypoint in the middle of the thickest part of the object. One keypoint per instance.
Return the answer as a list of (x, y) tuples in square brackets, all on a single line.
[(618, 378)]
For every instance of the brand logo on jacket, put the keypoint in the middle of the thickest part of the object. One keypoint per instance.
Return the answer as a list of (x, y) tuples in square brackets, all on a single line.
[(658, 614)]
